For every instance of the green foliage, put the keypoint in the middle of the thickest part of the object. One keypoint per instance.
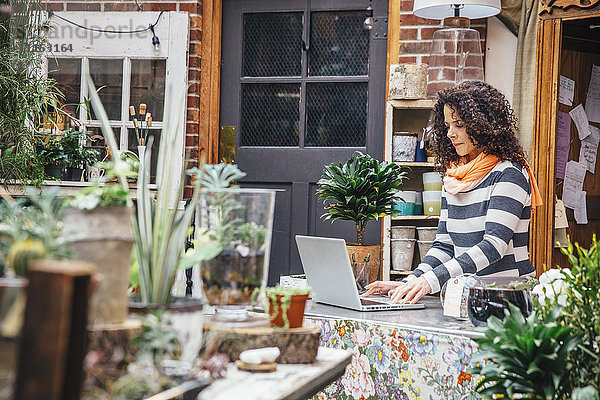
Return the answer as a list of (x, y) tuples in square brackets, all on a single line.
[(50, 149), (100, 195), (252, 235), (26, 96), (37, 218), (286, 293), (526, 356), (77, 154), (22, 253), (157, 337), (217, 191), (160, 229), (359, 190), (582, 311)]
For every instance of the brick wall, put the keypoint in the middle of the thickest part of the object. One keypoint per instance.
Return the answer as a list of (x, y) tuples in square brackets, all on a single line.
[(416, 35), (194, 8)]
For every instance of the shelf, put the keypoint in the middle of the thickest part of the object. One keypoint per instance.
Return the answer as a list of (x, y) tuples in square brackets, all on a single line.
[(415, 218), (415, 164), (392, 272), (422, 104)]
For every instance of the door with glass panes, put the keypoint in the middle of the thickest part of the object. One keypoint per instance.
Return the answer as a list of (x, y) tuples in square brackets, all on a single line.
[(302, 86)]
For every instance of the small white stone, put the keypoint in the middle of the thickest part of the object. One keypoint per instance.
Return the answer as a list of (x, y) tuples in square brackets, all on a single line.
[(257, 356)]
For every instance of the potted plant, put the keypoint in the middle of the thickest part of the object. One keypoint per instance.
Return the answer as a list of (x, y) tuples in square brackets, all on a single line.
[(526, 358), (161, 229), (97, 228), (285, 305), (51, 153), (78, 155), (240, 220), (360, 189)]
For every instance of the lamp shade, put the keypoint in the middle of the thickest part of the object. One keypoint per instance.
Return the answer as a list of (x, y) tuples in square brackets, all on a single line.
[(440, 9)]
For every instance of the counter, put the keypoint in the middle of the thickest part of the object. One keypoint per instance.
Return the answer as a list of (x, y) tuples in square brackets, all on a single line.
[(406, 354)]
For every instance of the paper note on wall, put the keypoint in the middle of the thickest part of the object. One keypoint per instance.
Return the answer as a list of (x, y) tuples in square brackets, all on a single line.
[(560, 215), (581, 213), (581, 121), (592, 101), (589, 149), (563, 141), (566, 91), (573, 184)]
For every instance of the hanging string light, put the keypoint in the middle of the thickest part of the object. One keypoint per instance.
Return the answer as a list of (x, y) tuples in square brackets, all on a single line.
[(155, 40)]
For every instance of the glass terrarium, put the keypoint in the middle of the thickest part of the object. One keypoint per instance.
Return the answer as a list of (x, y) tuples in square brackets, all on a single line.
[(241, 222)]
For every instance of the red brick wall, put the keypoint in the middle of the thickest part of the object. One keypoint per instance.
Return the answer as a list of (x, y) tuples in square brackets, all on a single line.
[(416, 34), (194, 8)]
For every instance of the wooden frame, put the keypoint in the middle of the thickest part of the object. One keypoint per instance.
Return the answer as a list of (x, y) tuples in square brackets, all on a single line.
[(210, 83), (543, 161)]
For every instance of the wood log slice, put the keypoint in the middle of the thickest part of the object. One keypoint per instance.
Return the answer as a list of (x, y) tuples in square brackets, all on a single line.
[(297, 345)]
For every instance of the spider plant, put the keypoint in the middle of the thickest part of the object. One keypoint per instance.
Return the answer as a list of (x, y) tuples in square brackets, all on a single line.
[(160, 229)]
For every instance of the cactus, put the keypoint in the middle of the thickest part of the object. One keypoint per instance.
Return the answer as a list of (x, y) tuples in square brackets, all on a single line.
[(21, 253)]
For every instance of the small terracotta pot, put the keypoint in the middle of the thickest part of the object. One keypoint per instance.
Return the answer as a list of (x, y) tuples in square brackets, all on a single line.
[(295, 312)]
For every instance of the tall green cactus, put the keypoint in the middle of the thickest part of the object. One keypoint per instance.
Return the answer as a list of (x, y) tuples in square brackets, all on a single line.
[(22, 253)]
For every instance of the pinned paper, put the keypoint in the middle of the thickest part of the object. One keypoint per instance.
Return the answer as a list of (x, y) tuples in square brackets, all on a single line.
[(573, 184), (563, 133), (560, 215), (566, 91), (589, 149), (592, 102), (581, 121), (581, 213), (453, 298)]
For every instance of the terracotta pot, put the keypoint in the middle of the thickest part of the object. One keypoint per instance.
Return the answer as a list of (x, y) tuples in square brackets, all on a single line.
[(295, 311), (104, 237), (373, 251)]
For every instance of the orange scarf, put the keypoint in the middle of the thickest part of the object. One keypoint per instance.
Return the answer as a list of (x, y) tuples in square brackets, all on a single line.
[(463, 177)]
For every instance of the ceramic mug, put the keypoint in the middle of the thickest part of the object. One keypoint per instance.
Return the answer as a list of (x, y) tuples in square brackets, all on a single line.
[(94, 173)]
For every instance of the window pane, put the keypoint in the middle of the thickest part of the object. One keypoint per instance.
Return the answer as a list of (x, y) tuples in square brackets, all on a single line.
[(270, 115), (339, 44), (98, 142), (108, 78), (132, 145), (272, 44), (336, 115), (67, 74), (148, 86)]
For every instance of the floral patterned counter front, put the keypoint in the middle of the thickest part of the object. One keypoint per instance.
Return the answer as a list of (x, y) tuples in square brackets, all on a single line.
[(398, 362)]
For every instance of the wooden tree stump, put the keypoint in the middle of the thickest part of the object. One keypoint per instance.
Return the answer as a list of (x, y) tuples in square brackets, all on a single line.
[(297, 346)]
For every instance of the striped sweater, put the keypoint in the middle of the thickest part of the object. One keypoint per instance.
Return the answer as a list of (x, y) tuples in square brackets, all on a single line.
[(483, 231)]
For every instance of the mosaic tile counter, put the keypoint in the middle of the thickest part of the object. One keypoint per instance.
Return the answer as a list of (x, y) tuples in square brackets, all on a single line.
[(409, 354)]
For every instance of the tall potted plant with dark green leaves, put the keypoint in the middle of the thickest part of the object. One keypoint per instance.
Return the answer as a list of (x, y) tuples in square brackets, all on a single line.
[(78, 155), (360, 190)]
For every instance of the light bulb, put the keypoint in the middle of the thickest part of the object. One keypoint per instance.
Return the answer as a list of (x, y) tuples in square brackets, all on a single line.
[(368, 24), (156, 42)]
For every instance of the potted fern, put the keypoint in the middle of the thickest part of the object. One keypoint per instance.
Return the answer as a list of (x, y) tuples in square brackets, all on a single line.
[(360, 190)]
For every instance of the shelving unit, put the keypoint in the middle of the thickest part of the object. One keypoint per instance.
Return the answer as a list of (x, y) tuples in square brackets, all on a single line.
[(405, 116)]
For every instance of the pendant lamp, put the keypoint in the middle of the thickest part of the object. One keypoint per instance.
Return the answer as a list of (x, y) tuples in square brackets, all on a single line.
[(456, 54)]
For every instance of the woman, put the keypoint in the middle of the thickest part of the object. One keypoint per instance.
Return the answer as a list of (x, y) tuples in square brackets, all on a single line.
[(487, 199)]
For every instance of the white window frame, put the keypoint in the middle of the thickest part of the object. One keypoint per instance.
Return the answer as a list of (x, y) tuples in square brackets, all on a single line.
[(172, 30)]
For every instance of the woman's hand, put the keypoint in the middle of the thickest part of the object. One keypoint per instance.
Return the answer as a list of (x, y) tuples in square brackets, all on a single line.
[(411, 291), (381, 287)]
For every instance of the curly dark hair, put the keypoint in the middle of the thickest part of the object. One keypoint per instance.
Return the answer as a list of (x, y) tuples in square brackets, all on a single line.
[(488, 117)]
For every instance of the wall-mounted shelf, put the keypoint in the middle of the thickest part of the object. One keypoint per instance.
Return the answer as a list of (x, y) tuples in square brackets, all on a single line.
[(403, 273), (420, 104), (415, 217), (415, 164)]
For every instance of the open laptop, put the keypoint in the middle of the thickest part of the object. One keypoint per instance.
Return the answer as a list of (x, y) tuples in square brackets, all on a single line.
[(329, 274)]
